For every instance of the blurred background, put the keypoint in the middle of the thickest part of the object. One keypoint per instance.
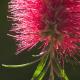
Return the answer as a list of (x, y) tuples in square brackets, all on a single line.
[(8, 49)]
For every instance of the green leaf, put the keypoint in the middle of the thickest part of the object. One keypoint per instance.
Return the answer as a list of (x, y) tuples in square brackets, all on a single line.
[(43, 73), (21, 65), (40, 67), (63, 74)]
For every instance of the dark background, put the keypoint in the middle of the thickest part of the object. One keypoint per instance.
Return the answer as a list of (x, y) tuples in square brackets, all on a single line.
[(8, 49)]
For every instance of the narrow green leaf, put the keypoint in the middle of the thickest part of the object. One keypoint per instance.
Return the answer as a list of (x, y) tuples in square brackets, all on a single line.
[(40, 67), (43, 73), (21, 65), (63, 74)]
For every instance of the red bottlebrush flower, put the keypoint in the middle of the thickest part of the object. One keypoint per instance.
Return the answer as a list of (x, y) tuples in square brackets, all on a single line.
[(34, 18), (56, 22), (27, 22)]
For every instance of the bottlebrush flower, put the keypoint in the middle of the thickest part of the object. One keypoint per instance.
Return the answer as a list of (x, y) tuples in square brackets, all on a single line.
[(56, 22), (32, 19)]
